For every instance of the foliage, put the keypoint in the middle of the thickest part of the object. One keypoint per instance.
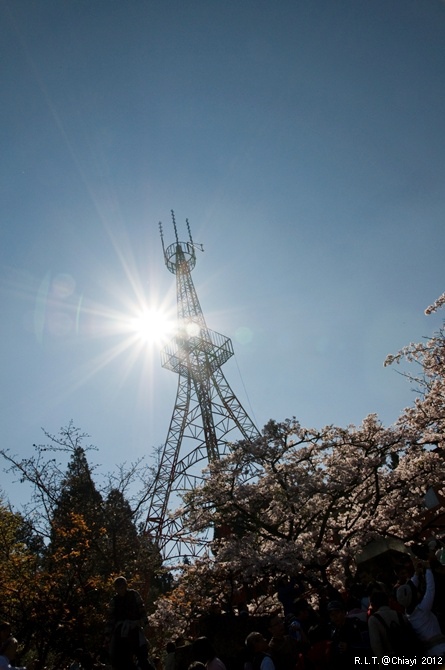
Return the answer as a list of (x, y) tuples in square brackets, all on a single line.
[(17, 567), (425, 420), (61, 557), (302, 502), (295, 503)]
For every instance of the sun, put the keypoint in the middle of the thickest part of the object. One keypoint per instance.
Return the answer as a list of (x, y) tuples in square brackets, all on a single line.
[(152, 326)]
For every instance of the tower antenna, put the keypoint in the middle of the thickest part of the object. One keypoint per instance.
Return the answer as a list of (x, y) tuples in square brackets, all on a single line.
[(197, 246), (174, 226), (162, 237)]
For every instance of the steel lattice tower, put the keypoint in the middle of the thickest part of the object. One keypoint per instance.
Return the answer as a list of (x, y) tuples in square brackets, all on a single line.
[(207, 415)]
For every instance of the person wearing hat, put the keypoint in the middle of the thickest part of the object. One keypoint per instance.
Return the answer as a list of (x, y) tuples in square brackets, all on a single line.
[(346, 635), (418, 611)]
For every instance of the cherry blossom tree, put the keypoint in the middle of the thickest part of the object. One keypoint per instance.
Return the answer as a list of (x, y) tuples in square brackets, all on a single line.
[(302, 502), (425, 420), (305, 501)]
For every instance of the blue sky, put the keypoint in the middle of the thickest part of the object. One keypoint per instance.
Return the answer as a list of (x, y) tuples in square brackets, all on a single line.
[(304, 141)]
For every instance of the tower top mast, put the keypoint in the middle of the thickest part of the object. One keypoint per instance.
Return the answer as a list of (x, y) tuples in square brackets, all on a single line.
[(178, 254)]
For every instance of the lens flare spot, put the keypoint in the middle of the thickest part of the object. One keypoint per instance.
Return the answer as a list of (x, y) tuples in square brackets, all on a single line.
[(193, 329), (244, 335), (63, 286)]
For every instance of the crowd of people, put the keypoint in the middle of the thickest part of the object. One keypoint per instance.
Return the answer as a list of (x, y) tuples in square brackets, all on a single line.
[(368, 620)]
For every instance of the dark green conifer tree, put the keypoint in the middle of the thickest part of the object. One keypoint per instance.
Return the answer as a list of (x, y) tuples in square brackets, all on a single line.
[(121, 539)]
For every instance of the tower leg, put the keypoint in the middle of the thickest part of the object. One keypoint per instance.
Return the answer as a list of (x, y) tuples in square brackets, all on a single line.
[(206, 414)]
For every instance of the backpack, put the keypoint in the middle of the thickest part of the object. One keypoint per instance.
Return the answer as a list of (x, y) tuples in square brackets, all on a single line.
[(402, 636)]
